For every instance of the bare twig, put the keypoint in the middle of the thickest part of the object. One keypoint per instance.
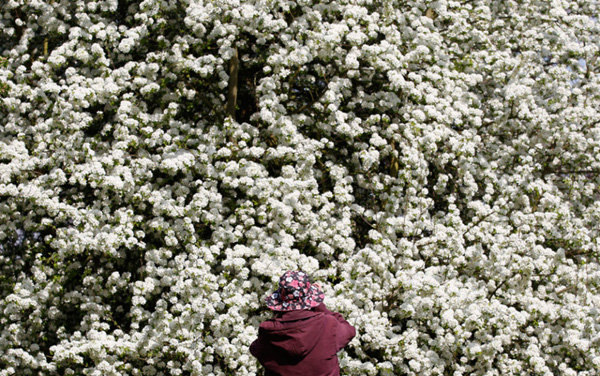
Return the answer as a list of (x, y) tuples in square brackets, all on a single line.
[(569, 288)]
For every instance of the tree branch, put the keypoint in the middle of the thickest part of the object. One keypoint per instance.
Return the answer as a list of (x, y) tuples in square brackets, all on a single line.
[(234, 67)]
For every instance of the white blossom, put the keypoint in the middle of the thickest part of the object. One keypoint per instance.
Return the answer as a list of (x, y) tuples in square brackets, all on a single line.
[(432, 165)]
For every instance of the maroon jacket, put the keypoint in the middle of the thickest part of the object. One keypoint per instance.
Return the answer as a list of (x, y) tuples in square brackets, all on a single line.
[(302, 343)]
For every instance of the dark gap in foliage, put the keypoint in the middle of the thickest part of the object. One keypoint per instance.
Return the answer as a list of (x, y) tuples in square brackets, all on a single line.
[(274, 167), (18, 253), (440, 200), (101, 115)]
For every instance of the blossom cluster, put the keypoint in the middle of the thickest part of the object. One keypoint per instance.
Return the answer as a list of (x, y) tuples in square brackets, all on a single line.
[(433, 165)]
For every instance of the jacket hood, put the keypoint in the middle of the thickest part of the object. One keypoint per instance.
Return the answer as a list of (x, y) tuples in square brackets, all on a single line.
[(296, 333)]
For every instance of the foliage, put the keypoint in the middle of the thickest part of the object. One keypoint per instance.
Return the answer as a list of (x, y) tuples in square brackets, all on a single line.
[(433, 164), (3, 85)]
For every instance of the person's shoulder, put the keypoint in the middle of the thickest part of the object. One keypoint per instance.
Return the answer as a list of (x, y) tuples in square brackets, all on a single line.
[(331, 320), (269, 324)]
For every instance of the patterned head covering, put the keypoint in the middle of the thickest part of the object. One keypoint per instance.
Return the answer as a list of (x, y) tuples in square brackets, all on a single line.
[(295, 292)]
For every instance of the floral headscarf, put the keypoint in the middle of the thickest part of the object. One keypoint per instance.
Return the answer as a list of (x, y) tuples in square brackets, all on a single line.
[(295, 292)]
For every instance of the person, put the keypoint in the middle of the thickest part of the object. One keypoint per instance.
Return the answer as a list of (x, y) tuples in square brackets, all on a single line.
[(303, 337)]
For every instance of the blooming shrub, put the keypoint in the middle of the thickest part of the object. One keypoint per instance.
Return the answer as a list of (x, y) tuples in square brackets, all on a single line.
[(434, 165)]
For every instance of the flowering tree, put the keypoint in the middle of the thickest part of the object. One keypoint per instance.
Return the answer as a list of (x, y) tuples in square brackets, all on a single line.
[(434, 165)]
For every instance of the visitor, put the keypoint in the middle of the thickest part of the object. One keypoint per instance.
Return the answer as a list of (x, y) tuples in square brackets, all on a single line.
[(303, 337)]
